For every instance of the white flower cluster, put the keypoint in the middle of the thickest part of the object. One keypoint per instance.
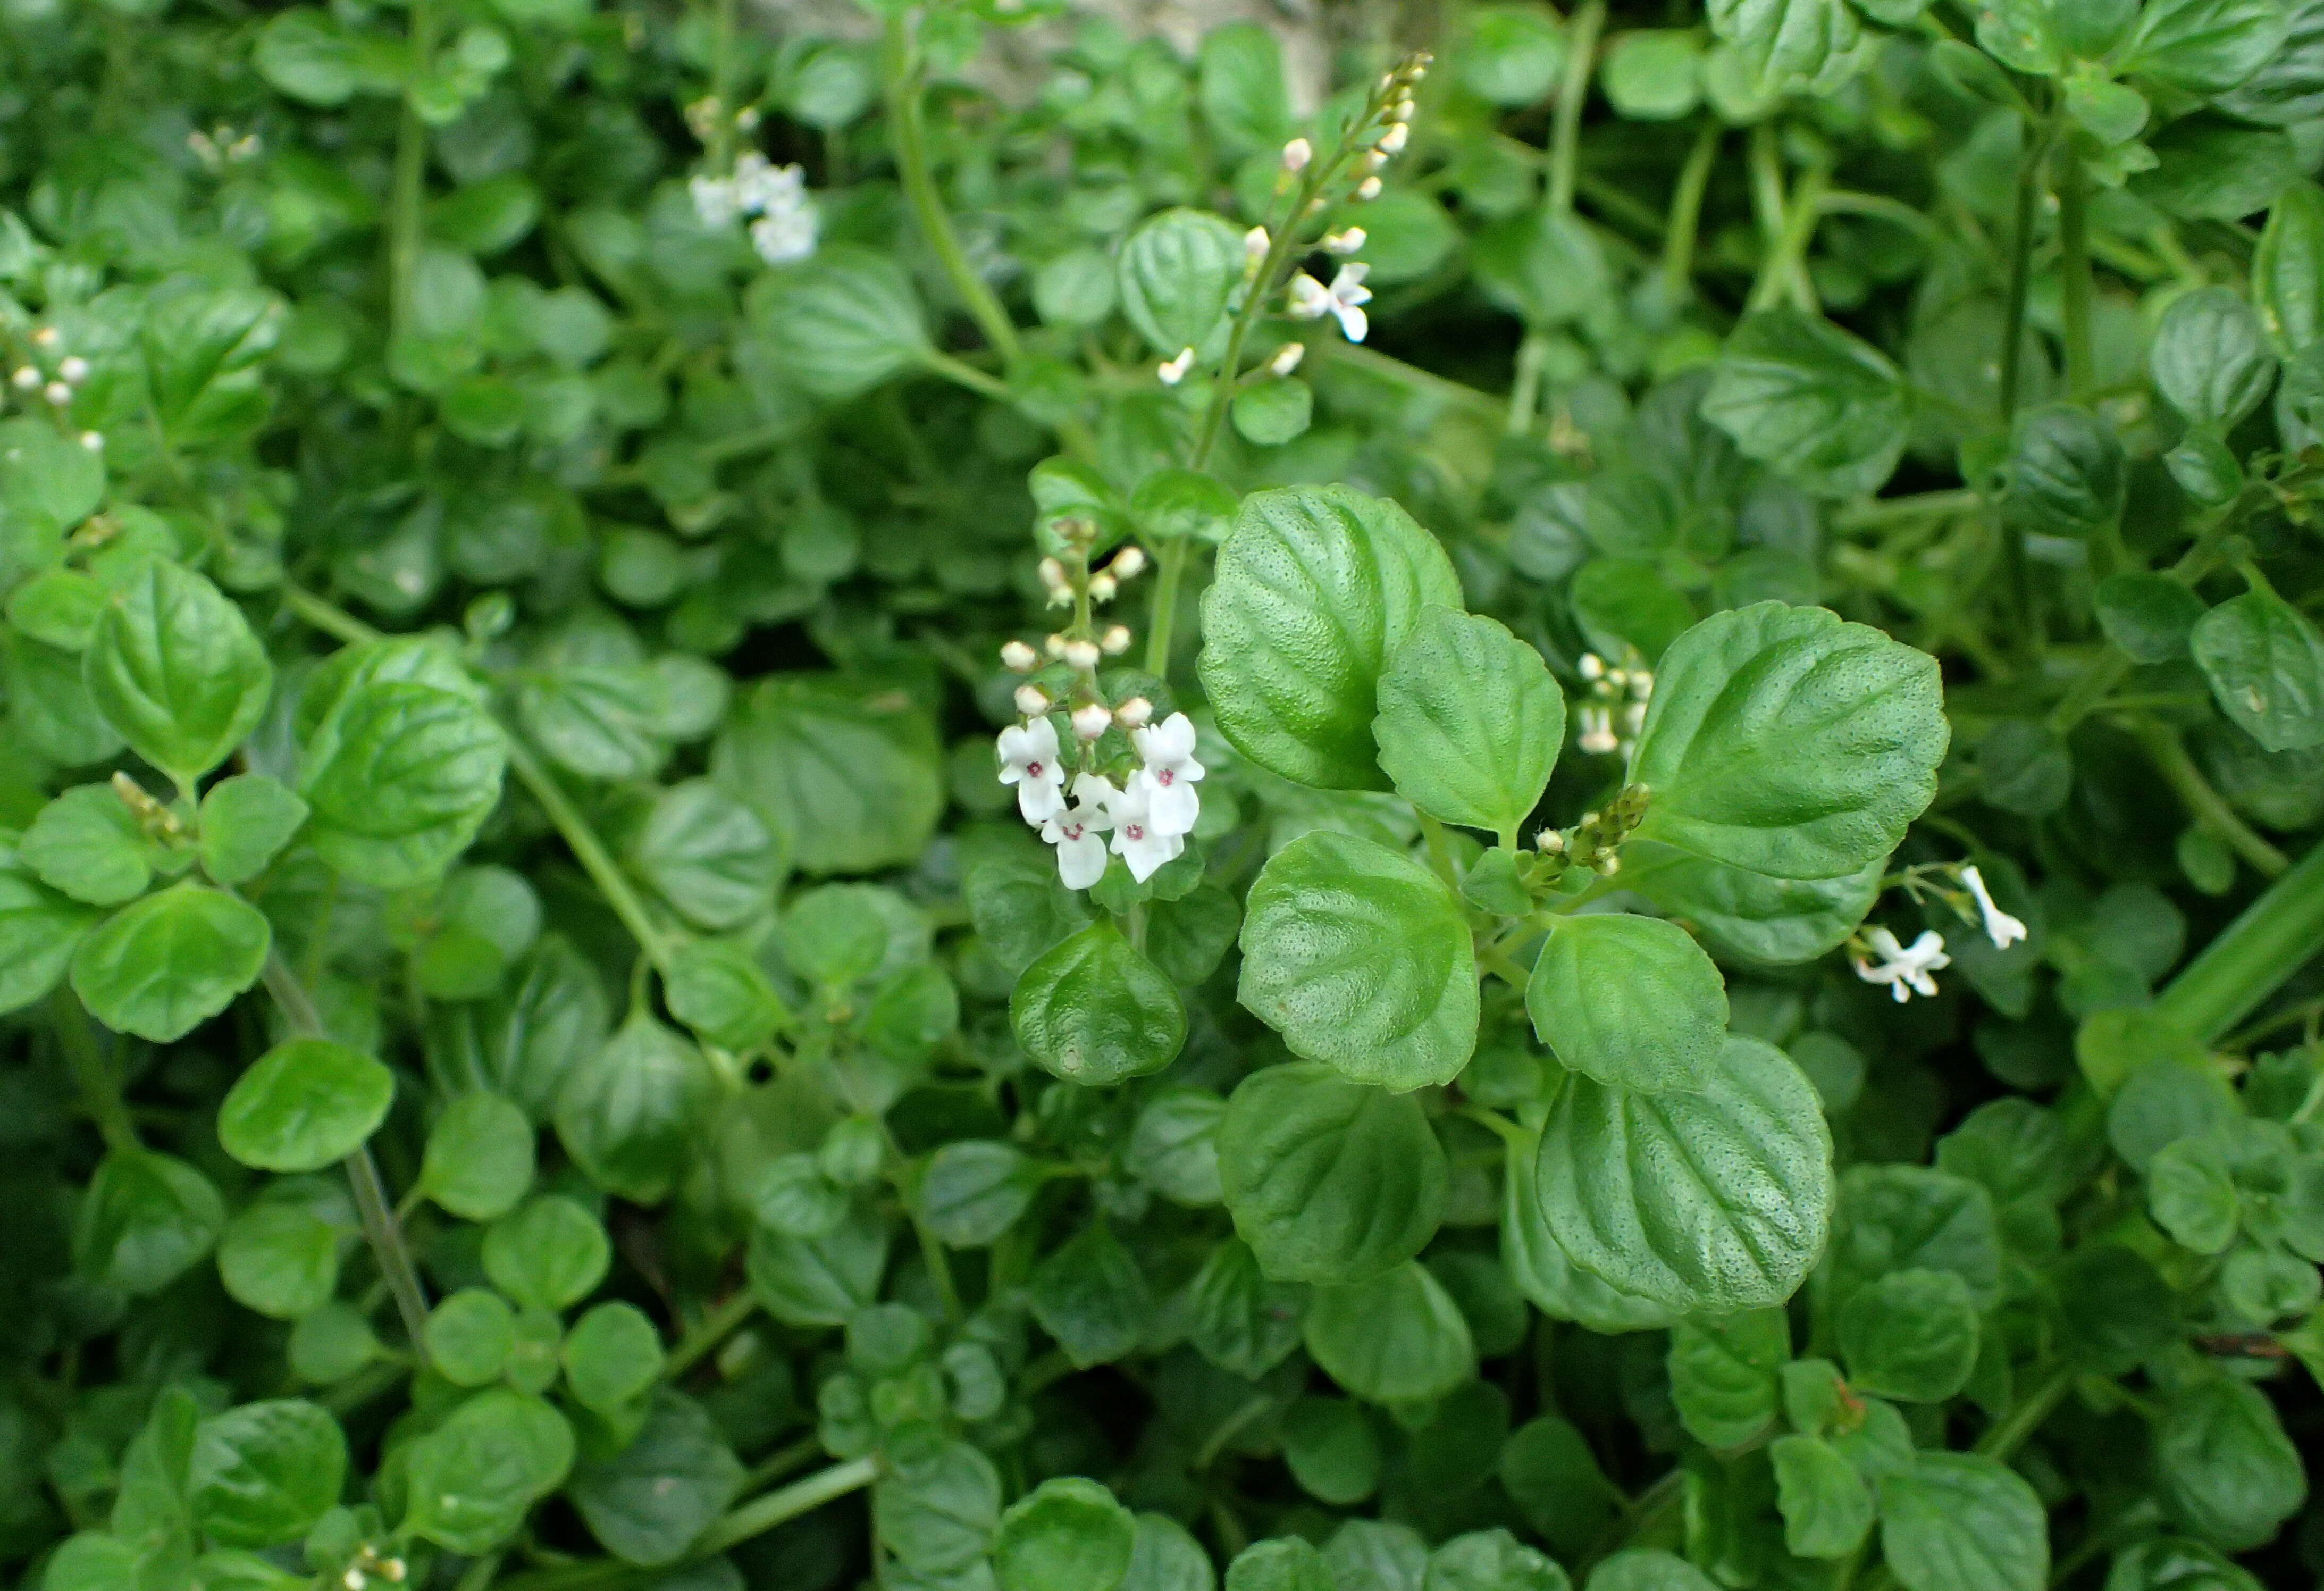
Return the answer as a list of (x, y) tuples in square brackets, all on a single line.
[(786, 224), (1905, 968), (1613, 691), (1149, 815), (56, 385)]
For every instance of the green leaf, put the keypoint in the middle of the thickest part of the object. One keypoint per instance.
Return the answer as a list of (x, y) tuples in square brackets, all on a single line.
[(936, 1510), (549, 1254), (1785, 742), (1273, 411), (1332, 1451), (1799, 394), (1329, 1181), (2066, 470), (2287, 271), (1316, 588), (1512, 55), (1094, 1011), (2210, 357), (709, 854), (2149, 615), (162, 967), (1091, 1297), (1961, 1521), (1714, 1201), (819, 1280), (1491, 1560), (470, 1335), (1243, 1323), (1827, 1507), (1174, 1148), (1776, 920), (308, 54), (304, 1105), (1630, 1001), (1395, 1339), (40, 929), (2264, 660), (400, 775), (174, 667), (60, 608), (1361, 958), (1903, 1218), (1176, 272), (281, 1257), (1540, 1268), (1165, 1558), (262, 1474), (245, 822), (1723, 1375), (1240, 87), (847, 320), (613, 1355), (649, 1501), (472, 1480), (847, 771), (718, 989), (1785, 40), (1910, 1335), (1470, 722), (47, 479), (628, 1114), (145, 1220), (974, 1191), (2226, 1470), (1067, 1535), (1286, 1563), (90, 845), (1648, 1569), (2203, 46)]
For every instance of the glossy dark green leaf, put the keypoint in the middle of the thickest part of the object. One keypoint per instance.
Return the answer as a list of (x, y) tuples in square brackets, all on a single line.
[(1066, 1534), (2264, 660), (629, 1114), (473, 1478), (399, 777), (263, 1473), (1630, 1001), (1961, 1521), (1723, 1375), (174, 666), (648, 1502), (303, 1104), (162, 967), (1470, 722), (1398, 1339), (1175, 272), (1910, 1335), (1092, 1010), (1796, 393)]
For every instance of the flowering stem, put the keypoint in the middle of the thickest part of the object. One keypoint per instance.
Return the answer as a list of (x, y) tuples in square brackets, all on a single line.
[(721, 84), (2274, 937), (909, 134), (405, 217), (1162, 622), (1565, 136), (380, 1229)]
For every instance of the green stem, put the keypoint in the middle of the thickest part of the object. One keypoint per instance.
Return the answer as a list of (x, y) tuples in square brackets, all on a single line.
[(704, 1338), (1525, 391), (761, 1514), (1565, 135), (2074, 266), (1686, 213), (590, 851), (1784, 273), (100, 1092), (966, 374), (2009, 1432), (377, 1210), (1765, 165), (2274, 937), (331, 620), (1162, 618), (2021, 275), (908, 134), (406, 217), (479, 1575), (2205, 805), (721, 85)]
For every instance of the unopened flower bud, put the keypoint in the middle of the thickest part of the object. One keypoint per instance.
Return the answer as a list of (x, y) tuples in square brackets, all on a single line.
[(46, 338), (94, 440), (1404, 110), (1369, 189), (1102, 588), (1609, 866), (1393, 140), (1091, 720), (1019, 658), (1286, 358), (1134, 714), (1618, 678), (1053, 576), (26, 378), (58, 393), (1297, 154), (1055, 646), (747, 118), (395, 1570), (1032, 700), (1127, 564), (1254, 245), (1593, 667), (1345, 242), (1371, 160), (73, 369), (1551, 841), (1173, 371), (352, 1580), (1082, 654), (1115, 641)]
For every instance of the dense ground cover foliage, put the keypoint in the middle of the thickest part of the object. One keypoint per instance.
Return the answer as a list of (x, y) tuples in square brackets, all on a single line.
[(770, 821)]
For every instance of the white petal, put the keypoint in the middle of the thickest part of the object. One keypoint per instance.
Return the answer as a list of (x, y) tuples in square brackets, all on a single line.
[(1353, 324), (1039, 799), (1080, 863)]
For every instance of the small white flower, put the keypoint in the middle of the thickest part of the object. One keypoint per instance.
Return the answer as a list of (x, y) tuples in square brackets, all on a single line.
[(762, 189), (1052, 581), (715, 204), (1369, 189), (1344, 243), (1129, 563), (1032, 700), (1138, 839), (58, 393), (1297, 154), (1254, 245), (26, 378), (1115, 641), (2002, 928), (73, 369), (783, 236), (1104, 587), (1079, 832), (1904, 968), (1019, 658), (1173, 371), (1286, 358), (1170, 773), (1593, 667), (1343, 300), (1028, 759), (46, 338), (1597, 736)]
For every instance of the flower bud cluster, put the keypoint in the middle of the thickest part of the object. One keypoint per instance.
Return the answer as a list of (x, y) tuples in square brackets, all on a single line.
[(1595, 843), (786, 224), (1611, 719), (52, 376), (222, 147)]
